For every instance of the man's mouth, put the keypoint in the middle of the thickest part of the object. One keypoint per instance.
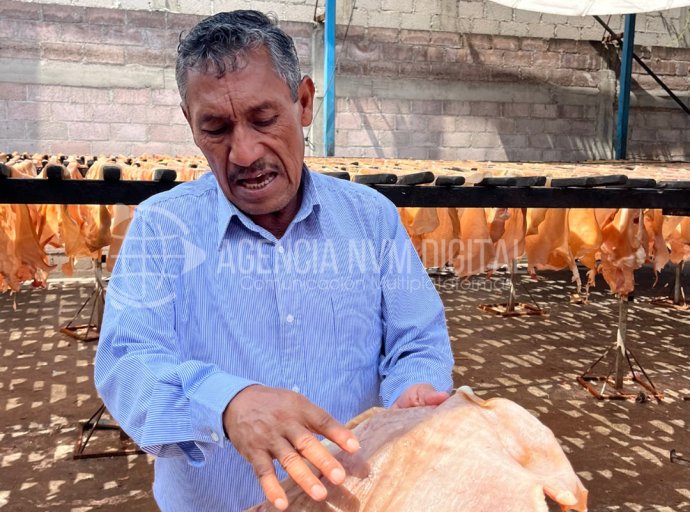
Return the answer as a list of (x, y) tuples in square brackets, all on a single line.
[(258, 182)]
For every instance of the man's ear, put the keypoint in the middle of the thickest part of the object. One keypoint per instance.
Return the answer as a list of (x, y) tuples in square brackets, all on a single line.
[(186, 114), (305, 97), (185, 111)]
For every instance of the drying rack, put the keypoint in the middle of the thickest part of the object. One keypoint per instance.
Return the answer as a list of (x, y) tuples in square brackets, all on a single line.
[(421, 189)]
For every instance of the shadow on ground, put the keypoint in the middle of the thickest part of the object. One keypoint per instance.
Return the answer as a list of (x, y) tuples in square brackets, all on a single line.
[(619, 449)]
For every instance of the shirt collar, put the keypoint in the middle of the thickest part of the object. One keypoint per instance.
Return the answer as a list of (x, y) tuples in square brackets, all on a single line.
[(226, 210)]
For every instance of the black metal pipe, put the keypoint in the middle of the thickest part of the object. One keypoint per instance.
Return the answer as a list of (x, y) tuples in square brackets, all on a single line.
[(35, 191), (647, 68)]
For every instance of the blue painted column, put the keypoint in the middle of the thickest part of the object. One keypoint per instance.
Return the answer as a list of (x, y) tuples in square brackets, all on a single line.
[(621, 146), (329, 80)]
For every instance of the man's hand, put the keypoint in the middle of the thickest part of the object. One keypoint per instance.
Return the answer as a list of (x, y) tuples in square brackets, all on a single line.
[(270, 423), (420, 394)]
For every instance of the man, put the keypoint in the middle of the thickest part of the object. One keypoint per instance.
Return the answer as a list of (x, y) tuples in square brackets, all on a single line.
[(261, 305)]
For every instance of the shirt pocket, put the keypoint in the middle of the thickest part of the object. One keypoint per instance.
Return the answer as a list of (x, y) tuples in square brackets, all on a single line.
[(357, 324)]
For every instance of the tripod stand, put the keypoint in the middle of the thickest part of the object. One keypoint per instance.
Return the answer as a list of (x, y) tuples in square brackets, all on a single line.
[(96, 301)]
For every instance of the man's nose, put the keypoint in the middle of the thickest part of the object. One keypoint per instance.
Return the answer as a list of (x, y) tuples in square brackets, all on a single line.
[(245, 147)]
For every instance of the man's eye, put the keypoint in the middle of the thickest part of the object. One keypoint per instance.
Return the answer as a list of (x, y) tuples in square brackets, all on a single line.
[(263, 123), (217, 131)]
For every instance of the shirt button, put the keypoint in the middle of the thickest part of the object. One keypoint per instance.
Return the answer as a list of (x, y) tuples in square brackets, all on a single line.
[(295, 389), (290, 319), (215, 437), (281, 250)]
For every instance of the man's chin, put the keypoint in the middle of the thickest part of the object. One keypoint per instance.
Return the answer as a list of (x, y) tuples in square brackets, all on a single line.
[(266, 202), (254, 210)]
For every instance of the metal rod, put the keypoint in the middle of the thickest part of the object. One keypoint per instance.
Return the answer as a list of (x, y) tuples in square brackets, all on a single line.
[(578, 280), (94, 312), (620, 341), (651, 386), (648, 70), (92, 424), (591, 367), (621, 148), (513, 277), (100, 296), (76, 315), (329, 79), (36, 191), (609, 369), (677, 300)]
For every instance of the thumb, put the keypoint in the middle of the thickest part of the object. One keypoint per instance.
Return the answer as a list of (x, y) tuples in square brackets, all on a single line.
[(420, 394), (433, 397)]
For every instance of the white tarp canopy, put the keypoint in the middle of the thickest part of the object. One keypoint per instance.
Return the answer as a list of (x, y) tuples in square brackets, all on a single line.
[(592, 7)]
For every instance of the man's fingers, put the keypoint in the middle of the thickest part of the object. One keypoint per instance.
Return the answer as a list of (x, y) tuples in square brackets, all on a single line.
[(266, 424), (300, 472), (419, 395), (434, 397), (317, 454), (265, 473), (321, 422), (409, 398)]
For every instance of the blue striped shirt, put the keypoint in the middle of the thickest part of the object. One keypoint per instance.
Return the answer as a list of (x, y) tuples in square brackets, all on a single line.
[(203, 302)]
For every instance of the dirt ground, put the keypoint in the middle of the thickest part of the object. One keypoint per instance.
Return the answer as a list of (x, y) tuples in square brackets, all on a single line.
[(620, 449)]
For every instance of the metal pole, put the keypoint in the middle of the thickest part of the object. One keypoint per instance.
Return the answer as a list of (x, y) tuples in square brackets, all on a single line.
[(329, 79), (100, 294), (620, 340), (677, 287), (621, 148), (647, 69), (511, 297)]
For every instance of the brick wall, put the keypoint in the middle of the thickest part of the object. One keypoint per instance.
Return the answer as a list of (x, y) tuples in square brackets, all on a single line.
[(97, 80), (63, 119), (495, 97), (662, 28), (437, 95), (659, 129)]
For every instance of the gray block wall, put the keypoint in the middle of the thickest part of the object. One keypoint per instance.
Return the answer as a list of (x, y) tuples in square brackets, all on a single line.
[(437, 80)]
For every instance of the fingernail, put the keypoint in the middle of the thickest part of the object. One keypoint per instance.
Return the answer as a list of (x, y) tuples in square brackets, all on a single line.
[(318, 492), (337, 475), (280, 504), (352, 444)]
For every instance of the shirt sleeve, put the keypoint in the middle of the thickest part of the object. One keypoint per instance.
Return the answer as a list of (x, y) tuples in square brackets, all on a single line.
[(168, 404), (416, 344)]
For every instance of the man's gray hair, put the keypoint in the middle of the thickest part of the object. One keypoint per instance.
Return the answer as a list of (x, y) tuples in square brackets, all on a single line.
[(217, 42)]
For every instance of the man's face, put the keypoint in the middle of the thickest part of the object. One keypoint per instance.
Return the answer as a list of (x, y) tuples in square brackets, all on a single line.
[(250, 131)]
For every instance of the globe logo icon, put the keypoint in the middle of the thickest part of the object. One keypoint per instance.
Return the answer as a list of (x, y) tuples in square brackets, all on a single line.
[(157, 251)]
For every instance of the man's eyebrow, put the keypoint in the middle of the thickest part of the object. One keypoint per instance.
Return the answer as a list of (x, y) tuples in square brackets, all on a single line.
[(209, 118), (262, 107)]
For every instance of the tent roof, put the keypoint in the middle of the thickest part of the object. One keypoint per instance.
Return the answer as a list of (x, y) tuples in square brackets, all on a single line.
[(592, 7)]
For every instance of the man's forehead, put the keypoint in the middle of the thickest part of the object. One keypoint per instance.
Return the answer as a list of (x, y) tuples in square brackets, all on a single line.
[(213, 70)]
